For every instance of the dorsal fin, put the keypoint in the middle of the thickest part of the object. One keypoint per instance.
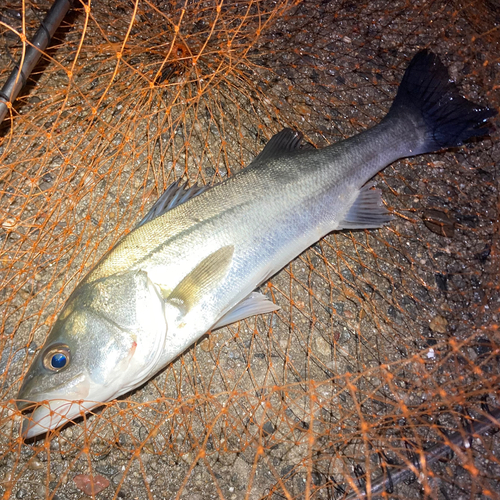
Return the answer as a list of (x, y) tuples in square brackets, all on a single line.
[(285, 142), (176, 194)]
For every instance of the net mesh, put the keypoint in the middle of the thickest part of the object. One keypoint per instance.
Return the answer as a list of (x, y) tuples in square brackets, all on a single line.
[(379, 375)]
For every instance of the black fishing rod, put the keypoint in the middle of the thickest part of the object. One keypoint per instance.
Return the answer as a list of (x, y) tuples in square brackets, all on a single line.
[(32, 54)]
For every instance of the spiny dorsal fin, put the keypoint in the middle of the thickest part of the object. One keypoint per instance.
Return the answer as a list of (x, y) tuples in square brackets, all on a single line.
[(176, 194), (205, 276), (285, 142)]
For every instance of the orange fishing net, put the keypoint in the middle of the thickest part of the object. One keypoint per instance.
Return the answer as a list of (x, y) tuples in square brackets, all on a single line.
[(379, 376)]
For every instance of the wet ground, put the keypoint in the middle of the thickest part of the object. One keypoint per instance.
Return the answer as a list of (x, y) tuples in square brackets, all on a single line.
[(385, 343)]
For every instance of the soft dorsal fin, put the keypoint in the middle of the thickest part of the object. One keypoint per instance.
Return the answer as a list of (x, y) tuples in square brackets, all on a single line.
[(176, 194), (285, 142), (205, 276)]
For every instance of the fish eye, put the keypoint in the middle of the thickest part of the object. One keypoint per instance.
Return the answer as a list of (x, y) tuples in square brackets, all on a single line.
[(57, 358)]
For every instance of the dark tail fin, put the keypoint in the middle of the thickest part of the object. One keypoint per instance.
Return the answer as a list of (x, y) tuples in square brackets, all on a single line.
[(427, 94)]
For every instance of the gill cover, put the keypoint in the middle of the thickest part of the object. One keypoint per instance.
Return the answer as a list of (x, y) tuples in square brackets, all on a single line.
[(106, 341)]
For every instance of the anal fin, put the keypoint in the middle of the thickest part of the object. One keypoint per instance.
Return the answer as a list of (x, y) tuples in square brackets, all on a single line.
[(367, 211), (255, 303)]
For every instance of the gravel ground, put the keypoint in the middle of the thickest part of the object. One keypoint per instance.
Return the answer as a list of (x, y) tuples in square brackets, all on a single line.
[(385, 343)]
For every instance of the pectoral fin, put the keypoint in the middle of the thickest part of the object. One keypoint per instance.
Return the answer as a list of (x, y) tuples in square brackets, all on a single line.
[(204, 277), (255, 303)]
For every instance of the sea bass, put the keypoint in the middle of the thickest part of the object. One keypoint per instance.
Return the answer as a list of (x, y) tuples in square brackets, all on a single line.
[(194, 262)]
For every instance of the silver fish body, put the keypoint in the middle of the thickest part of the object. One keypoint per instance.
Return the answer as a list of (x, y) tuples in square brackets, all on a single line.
[(196, 266)]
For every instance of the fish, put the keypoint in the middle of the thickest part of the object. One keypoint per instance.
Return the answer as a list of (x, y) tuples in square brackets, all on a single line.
[(194, 263)]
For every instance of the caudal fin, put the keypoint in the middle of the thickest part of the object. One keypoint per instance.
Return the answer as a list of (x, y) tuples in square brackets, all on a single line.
[(433, 102)]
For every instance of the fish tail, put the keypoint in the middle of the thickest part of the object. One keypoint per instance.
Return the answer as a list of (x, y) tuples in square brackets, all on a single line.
[(428, 98)]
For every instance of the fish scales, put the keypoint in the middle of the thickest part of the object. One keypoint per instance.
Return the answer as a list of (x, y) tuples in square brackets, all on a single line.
[(266, 208)]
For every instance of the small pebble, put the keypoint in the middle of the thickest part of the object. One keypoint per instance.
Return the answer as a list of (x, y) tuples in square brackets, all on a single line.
[(323, 346), (439, 222), (268, 428), (9, 224), (41, 491), (87, 483), (211, 342), (36, 465), (438, 324)]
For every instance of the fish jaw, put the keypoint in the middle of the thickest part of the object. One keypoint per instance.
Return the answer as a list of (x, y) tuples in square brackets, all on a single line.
[(52, 414), (58, 408), (61, 408)]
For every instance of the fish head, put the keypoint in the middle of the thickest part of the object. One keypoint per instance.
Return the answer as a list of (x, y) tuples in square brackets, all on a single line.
[(106, 341)]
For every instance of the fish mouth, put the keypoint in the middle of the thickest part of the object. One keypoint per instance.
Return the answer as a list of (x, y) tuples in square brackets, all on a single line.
[(51, 414)]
